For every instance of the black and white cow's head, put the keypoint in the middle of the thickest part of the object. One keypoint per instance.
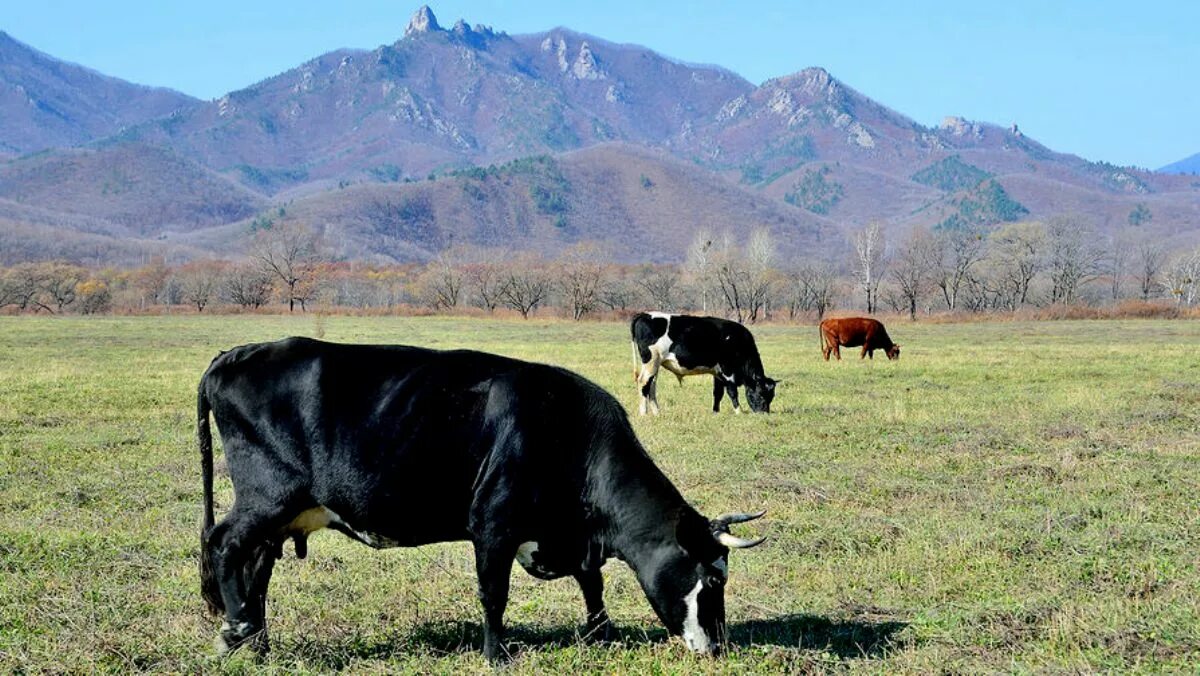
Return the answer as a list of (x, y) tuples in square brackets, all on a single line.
[(760, 391), (686, 583)]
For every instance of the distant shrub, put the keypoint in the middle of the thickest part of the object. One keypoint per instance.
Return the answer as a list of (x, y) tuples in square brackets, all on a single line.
[(547, 200), (1140, 215), (815, 192), (269, 178), (951, 174), (752, 173), (987, 204), (93, 296), (386, 173)]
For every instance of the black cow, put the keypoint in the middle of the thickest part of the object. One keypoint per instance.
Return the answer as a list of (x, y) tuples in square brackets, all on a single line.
[(688, 346), (400, 446)]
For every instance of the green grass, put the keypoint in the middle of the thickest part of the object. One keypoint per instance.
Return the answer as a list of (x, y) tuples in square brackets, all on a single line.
[(1007, 497)]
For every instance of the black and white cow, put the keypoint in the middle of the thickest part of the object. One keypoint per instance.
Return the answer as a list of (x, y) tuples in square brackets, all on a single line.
[(399, 446), (688, 346)]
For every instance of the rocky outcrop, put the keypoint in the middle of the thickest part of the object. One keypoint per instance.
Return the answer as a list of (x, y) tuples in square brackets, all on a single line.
[(423, 21), (585, 66), (959, 126)]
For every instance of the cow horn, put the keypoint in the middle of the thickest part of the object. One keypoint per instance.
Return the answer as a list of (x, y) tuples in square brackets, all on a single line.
[(735, 542), (725, 520)]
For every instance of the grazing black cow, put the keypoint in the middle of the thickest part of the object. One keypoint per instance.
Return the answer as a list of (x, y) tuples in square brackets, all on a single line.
[(688, 346), (400, 446)]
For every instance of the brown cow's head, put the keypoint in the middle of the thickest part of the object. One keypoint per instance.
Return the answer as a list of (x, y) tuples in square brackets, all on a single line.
[(893, 352)]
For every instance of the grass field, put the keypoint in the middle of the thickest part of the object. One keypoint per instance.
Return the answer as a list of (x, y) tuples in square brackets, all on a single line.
[(1007, 497)]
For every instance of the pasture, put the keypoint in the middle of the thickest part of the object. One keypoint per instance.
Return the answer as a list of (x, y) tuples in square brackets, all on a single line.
[(1007, 497)]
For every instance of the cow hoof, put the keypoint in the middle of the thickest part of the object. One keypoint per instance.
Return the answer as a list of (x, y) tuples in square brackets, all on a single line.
[(496, 654), (598, 632), (243, 634)]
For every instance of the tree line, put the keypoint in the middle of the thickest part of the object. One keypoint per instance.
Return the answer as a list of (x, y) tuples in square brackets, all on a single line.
[(924, 271)]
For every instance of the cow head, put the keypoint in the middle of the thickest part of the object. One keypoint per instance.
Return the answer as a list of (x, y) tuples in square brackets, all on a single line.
[(687, 585), (759, 393), (893, 352)]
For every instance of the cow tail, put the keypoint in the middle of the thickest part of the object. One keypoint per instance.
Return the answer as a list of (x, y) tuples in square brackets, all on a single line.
[(208, 580)]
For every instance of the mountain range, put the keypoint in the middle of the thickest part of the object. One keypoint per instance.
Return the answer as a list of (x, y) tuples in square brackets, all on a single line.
[(1188, 165), (468, 134)]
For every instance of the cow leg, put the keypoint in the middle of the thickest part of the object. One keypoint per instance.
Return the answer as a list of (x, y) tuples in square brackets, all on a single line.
[(731, 390), (837, 351), (238, 555), (826, 349), (718, 392), (591, 583), (256, 578), (648, 383), (863, 355), (493, 565), (654, 395)]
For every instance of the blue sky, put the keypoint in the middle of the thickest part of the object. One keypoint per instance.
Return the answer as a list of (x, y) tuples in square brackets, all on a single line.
[(1115, 81)]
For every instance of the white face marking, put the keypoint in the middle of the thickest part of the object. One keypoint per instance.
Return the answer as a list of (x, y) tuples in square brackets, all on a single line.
[(693, 633)]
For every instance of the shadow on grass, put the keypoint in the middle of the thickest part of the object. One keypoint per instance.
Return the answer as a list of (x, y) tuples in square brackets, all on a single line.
[(847, 639)]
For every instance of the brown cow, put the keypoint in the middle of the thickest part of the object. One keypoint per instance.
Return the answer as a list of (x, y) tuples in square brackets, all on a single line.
[(855, 331)]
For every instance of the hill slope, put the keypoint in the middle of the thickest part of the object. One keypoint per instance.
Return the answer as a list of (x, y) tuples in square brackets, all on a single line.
[(146, 189), (645, 205), (47, 103), (1188, 165)]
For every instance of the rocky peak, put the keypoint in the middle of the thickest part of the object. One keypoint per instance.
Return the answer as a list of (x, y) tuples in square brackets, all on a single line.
[(585, 66), (960, 126), (423, 21)]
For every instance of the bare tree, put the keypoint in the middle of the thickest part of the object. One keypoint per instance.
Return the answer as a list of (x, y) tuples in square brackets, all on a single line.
[(869, 262), (199, 282), (813, 288), (699, 266), (443, 281), (1115, 262), (150, 280), (1181, 278), (288, 252), (525, 285), (1149, 259), (579, 276), (59, 282), (618, 292), (485, 284), (248, 285), (913, 269), (961, 251), (760, 256), (1015, 257), (26, 287), (660, 284), (8, 290), (1070, 258), (744, 276)]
